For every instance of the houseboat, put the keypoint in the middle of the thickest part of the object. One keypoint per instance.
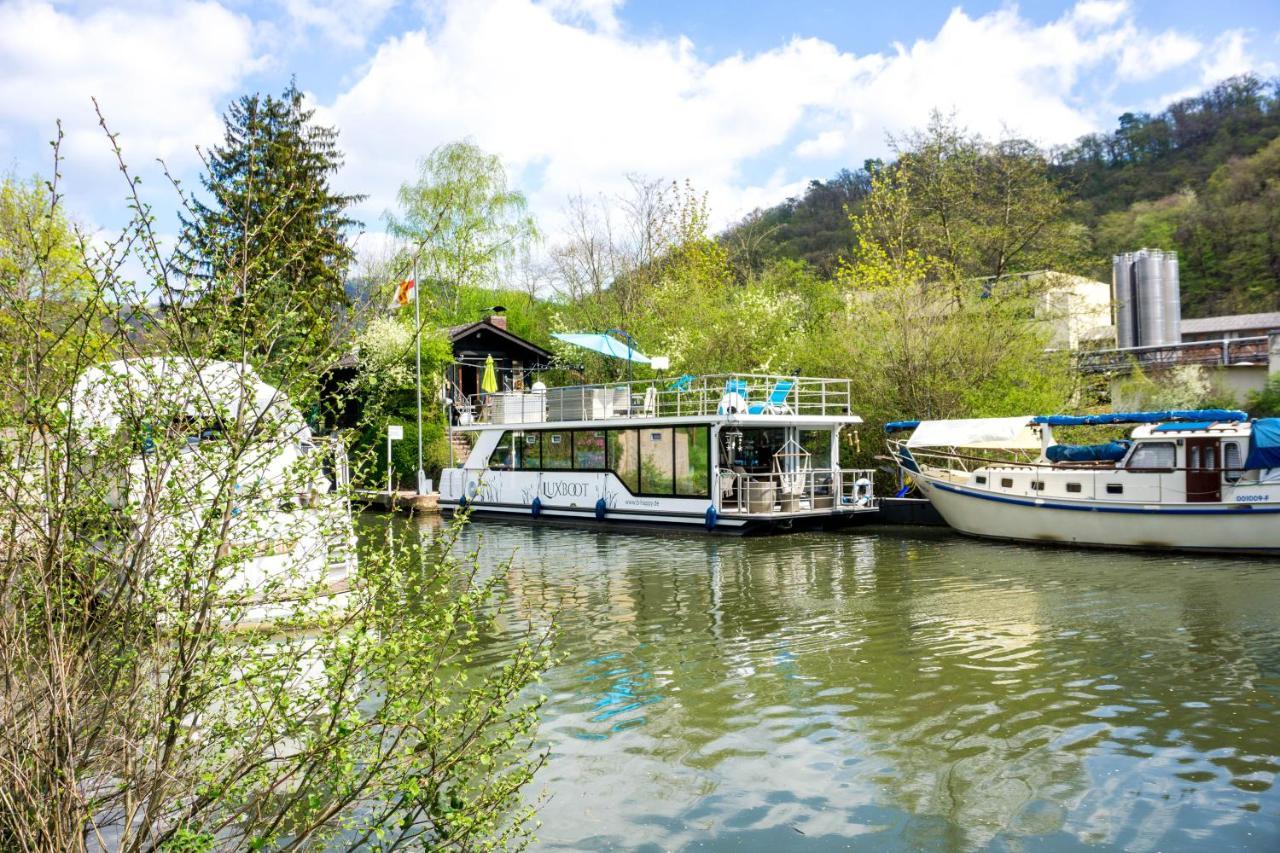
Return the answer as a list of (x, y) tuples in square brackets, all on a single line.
[(728, 453), (1182, 480)]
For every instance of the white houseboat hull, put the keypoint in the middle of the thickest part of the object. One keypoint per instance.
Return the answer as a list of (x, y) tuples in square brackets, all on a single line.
[(1249, 525)]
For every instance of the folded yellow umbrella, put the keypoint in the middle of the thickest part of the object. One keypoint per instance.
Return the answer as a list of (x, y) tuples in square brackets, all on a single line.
[(489, 383)]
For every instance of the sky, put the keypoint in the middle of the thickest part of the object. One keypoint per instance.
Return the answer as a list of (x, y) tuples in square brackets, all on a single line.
[(748, 100)]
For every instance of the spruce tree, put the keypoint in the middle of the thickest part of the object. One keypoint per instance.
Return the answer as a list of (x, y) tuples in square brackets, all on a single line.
[(265, 251)]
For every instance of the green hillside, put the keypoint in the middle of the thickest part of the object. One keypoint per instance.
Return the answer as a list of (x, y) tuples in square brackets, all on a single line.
[(1201, 177)]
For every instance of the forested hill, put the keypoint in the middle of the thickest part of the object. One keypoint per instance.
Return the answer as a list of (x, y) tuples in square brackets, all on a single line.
[(1201, 177)]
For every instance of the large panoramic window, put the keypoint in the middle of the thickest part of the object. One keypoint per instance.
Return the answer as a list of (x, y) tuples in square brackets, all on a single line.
[(624, 456), (557, 450), (692, 461), (588, 450), (1153, 455), (502, 458), (817, 443), (656, 461), (530, 451)]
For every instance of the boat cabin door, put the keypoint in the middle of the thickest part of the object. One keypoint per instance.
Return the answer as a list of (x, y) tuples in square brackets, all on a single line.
[(1204, 477)]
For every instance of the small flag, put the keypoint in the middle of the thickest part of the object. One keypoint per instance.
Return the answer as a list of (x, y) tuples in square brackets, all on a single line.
[(404, 292)]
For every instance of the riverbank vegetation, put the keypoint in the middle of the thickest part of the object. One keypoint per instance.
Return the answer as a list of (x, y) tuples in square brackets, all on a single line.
[(191, 660)]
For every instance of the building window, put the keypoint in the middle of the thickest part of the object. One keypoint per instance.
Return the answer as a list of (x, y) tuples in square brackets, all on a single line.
[(1153, 456)]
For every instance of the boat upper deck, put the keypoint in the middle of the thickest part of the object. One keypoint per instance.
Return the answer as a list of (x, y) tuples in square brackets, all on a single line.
[(724, 395)]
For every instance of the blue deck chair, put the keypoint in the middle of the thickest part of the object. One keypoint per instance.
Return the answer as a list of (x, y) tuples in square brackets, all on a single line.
[(777, 402), (683, 383)]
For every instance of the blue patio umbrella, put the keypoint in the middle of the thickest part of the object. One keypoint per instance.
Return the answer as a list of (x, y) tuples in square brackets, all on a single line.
[(603, 344)]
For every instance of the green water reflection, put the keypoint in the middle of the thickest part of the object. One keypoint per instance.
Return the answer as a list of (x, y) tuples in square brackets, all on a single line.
[(881, 691)]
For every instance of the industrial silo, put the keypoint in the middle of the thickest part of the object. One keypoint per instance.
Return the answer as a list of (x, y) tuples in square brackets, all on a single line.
[(1172, 300), (1122, 297), (1148, 284)]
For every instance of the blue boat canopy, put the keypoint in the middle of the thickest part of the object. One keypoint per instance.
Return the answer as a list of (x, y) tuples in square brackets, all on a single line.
[(900, 426), (1264, 444), (1112, 451), (1210, 415)]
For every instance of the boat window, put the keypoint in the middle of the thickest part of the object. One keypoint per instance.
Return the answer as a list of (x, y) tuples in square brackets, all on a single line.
[(502, 458), (656, 461), (1115, 489), (1152, 455), (981, 479), (1037, 485), (693, 461), (588, 450), (531, 451), (557, 450), (1231, 460), (1073, 487), (1006, 482), (624, 456)]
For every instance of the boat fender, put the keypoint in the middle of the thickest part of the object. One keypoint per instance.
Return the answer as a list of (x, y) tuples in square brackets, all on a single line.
[(712, 517), (601, 508), (535, 508)]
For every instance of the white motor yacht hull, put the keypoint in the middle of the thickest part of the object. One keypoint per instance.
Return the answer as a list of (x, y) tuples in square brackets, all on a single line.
[(1238, 527)]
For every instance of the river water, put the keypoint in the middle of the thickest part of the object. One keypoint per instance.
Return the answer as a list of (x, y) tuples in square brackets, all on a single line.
[(897, 689)]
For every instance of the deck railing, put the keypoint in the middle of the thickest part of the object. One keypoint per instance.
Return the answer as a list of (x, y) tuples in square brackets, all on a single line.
[(812, 490), (737, 393), (1225, 352)]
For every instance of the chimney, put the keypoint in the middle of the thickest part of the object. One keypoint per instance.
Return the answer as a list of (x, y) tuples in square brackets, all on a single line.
[(499, 321)]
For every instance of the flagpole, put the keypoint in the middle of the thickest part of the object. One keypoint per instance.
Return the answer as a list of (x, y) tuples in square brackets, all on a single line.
[(417, 347)]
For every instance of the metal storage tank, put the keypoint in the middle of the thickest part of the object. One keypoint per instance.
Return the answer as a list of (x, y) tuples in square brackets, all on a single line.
[(1172, 300), (1148, 284), (1122, 298)]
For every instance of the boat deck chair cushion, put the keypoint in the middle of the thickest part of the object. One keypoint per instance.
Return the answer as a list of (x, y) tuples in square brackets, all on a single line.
[(734, 398), (777, 402)]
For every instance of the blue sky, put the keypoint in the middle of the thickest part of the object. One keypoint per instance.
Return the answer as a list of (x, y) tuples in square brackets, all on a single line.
[(748, 100)]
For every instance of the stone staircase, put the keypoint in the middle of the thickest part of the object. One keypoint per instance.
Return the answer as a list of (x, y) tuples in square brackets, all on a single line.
[(461, 447)]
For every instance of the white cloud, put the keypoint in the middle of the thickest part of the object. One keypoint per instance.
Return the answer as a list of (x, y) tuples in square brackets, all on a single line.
[(159, 75), (1145, 57), (576, 107), (343, 22), (1228, 56)]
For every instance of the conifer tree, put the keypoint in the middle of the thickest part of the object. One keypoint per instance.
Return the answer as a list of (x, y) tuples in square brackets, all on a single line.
[(267, 247)]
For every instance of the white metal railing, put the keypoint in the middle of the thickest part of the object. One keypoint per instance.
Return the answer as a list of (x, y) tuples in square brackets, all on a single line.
[(820, 490), (737, 393), (1220, 352)]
